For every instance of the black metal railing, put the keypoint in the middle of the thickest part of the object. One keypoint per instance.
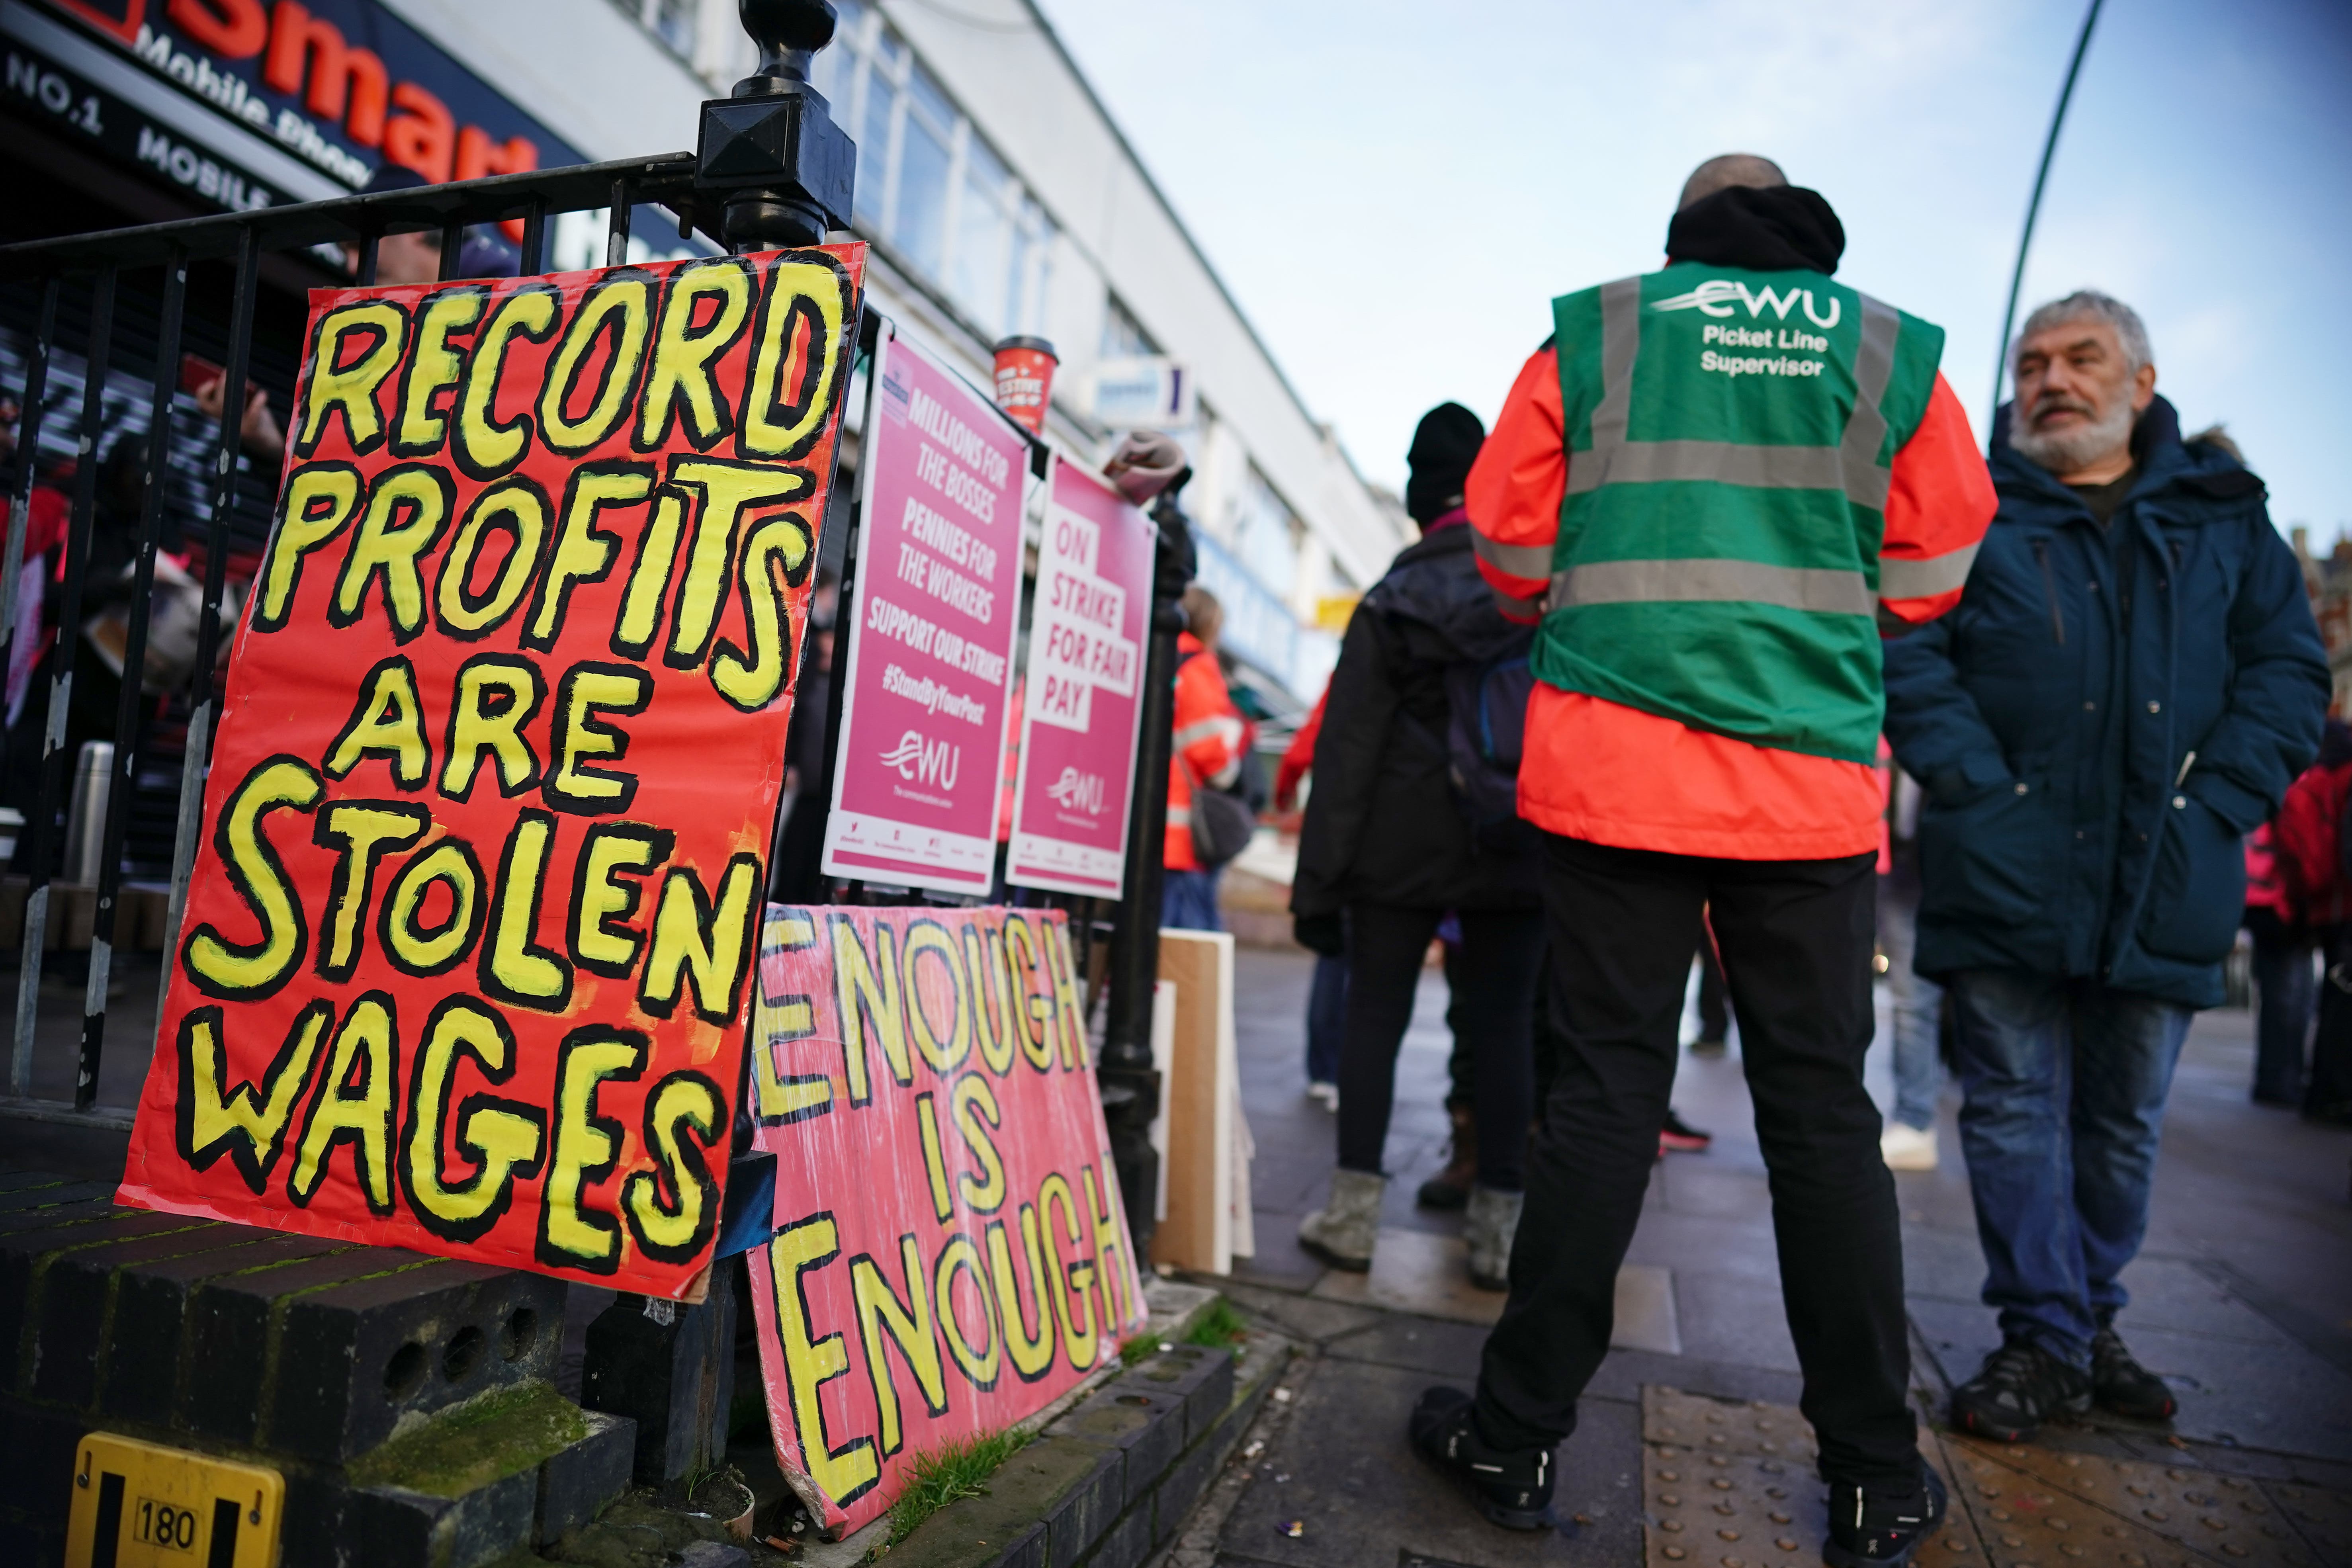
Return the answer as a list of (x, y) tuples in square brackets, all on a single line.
[(771, 168), (80, 283)]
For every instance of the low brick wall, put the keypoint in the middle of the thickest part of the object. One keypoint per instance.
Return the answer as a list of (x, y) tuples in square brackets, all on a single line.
[(1111, 1479), (324, 1360)]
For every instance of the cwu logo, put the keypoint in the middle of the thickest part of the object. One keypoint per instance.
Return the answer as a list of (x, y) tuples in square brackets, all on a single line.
[(921, 761), (1074, 791), (1716, 296)]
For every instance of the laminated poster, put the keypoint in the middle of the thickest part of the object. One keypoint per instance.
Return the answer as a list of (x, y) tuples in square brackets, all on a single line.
[(1079, 724), (466, 959), (950, 1252), (928, 690)]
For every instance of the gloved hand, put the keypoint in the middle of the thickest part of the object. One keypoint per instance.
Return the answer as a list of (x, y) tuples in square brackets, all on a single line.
[(1321, 933), (1146, 463)]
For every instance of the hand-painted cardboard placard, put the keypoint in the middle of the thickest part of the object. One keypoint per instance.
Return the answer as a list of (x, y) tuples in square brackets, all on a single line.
[(950, 1252), (930, 682), (464, 959), (1085, 702)]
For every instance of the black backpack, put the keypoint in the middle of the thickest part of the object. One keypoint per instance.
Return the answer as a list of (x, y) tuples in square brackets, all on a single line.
[(1486, 736)]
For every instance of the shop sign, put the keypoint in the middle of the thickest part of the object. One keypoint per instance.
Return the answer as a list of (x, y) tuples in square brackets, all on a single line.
[(1084, 691), (463, 963), (929, 690), (289, 102), (1145, 391), (950, 1253)]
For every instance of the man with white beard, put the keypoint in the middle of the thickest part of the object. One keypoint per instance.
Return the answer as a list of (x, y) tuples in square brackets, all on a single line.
[(2131, 681)]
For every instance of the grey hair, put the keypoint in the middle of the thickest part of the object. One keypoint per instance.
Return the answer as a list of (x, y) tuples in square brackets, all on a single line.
[(2091, 305), (1720, 174)]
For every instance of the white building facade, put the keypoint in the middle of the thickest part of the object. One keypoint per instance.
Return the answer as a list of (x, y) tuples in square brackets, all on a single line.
[(1000, 199)]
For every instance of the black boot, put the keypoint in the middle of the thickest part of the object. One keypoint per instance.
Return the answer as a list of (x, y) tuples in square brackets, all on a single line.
[(2121, 1384), (1511, 1487), (2019, 1386), (1870, 1527), (1450, 1188)]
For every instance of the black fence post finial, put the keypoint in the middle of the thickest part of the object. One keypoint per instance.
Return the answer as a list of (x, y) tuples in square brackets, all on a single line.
[(770, 152)]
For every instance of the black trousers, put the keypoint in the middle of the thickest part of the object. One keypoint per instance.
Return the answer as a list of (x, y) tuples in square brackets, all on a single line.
[(2329, 1090), (1494, 986), (1796, 939)]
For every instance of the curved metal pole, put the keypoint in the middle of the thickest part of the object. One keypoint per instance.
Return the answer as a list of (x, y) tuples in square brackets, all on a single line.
[(2034, 210)]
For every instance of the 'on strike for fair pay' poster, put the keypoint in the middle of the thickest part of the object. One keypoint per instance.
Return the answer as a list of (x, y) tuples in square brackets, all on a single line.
[(916, 787), (1079, 724), (463, 963)]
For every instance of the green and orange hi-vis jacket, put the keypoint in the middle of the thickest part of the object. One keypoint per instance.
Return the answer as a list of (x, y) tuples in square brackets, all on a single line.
[(1710, 513)]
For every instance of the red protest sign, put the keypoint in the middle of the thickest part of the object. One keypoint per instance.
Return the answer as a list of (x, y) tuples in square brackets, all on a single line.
[(930, 682), (464, 963), (950, 1253), (1085, 662)]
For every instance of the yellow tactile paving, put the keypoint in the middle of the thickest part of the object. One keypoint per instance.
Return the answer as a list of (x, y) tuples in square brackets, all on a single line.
[(1730, 1485)]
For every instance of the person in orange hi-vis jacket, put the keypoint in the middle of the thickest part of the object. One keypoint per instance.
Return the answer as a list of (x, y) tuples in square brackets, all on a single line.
[(1713, 488), (1208, 748)]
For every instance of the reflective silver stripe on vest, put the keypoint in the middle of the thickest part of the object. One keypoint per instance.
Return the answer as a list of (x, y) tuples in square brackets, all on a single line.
[(1946, 573), (1850, 466), (1866, 483), (1517, 609), (1216, 727), (1519, 559), (1713, 581)]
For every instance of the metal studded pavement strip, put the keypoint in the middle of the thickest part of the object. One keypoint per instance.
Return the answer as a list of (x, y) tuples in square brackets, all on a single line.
[(1727, 1485)]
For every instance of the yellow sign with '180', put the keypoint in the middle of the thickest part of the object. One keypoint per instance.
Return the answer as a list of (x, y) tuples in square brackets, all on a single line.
[(141, 1505)]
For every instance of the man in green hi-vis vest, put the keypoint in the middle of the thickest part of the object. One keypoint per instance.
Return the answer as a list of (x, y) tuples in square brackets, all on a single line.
[(1712, 487)]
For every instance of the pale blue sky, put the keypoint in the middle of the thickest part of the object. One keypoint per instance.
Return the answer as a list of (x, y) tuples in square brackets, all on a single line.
[(1394, 190)]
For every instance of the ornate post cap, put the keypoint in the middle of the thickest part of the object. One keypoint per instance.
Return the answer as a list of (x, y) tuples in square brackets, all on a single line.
[(786, 172)]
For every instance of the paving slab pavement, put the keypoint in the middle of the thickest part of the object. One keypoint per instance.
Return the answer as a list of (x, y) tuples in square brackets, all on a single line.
[(2243, 1296)]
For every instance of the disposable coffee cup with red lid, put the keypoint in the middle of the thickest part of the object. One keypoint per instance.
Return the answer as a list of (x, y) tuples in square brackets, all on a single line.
[(1024, 380)]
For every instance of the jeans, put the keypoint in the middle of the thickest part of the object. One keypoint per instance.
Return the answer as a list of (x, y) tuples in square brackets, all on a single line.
[(2286, 994), (1919, 1006), (1326, 1015), (1796, 936), (1188, 901), (2064, 1083), (1500, 964)]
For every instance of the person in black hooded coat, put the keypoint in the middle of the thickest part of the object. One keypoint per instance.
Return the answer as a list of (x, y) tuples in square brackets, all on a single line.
[(1386, 841)]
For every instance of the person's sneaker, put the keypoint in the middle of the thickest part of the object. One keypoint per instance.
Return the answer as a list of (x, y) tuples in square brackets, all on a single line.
[(2118, 1383), (1343, 1232), (2019, 1386), (1681, 1137), (1871, 1528), (1489, 1226), (1327, 1094), (1511, 1487), (1708, 1045), (1907, 1148)]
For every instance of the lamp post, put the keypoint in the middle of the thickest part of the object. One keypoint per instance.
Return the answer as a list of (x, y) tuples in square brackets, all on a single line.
[(770, 151), (2034, 207)]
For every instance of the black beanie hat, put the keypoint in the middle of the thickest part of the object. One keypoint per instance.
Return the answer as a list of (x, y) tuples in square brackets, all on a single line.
[(1777, 229), (1444, 444)]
